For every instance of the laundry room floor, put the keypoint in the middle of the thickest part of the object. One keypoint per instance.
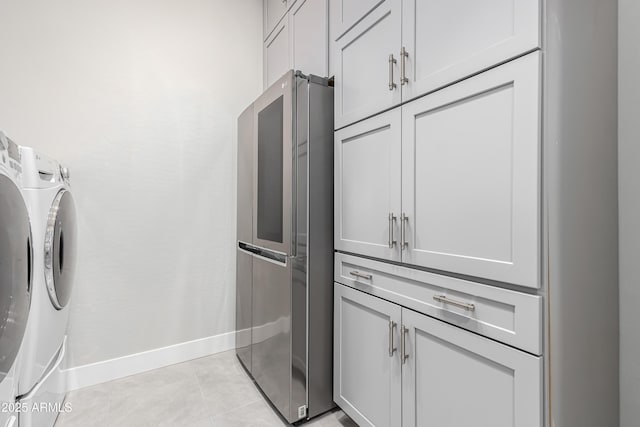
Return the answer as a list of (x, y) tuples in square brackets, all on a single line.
[(211, 391)]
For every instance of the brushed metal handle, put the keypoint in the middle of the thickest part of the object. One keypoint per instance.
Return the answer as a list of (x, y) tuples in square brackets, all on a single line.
[(403, 64), (392, 61), (403, 344), (403, 231), (392, 218), (361, 275), (443, 299), (392, 349)]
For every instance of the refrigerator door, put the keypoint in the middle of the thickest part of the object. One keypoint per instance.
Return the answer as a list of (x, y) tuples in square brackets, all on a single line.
[(271, 333), (273, 160), (244, 260)]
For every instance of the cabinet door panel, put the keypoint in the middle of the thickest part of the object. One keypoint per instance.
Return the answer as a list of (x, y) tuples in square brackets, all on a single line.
[(449, 40), (471, 175), (455, 378), (362, 65), (366, 378), (273, 11), (367, 186), (346, 13), (277, 54), (309, 37)]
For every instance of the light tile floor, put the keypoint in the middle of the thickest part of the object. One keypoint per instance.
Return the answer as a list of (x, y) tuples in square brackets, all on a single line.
[(213, 391)]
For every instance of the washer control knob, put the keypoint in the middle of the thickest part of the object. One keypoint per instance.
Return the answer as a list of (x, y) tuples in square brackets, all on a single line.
[(64, 173)]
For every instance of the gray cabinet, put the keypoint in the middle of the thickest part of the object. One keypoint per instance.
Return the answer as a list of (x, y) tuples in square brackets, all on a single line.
[(366, 370), (447, 377), (299, 40), (392, 51), (277, 54), (471, 174), (366, 69), (273, 11), (464, 196), (367, 187)]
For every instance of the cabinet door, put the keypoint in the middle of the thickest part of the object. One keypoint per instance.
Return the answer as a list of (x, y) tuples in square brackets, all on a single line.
[(366, 366), (308, 24), (277, 54), (366, 82), (452, 378), (367, 186), (273, 11), (449, 40), (471, 174), (346, 13)]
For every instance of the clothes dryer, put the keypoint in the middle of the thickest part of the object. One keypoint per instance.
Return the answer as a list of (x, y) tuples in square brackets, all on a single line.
[(42, 386), (15, 275)]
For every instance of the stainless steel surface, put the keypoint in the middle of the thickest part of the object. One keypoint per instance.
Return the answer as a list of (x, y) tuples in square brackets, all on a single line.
[(403, 64), (271, 332), (392, 219), (445, 300), (291, 289), (403, 236), (403, 344), (392, 61), (356, 273), (244, 226), (392, 326)]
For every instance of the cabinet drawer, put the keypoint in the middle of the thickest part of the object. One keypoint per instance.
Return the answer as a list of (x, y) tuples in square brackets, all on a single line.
[(514, 318)]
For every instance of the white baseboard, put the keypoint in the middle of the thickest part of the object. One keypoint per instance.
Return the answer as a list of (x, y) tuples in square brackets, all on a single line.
[(112, 369)]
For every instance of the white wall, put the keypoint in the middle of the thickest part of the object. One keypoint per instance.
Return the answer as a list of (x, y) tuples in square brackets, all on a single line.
[(629, 179), (139, 98)]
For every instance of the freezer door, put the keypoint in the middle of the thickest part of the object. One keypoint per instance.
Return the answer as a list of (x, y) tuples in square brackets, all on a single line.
[(273, 160), (271, 332)]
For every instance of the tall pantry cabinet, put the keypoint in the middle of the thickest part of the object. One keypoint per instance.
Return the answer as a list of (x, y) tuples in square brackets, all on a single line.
[(475, 212)]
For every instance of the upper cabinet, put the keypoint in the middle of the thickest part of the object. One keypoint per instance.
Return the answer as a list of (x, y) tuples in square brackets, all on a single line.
[(309, 29), (365, 61), (298, 39), (391, 51), (273, 11), (277, 54)]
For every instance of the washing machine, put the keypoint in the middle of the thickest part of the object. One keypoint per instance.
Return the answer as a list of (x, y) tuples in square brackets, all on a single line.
[(16, 258), (41, 380)]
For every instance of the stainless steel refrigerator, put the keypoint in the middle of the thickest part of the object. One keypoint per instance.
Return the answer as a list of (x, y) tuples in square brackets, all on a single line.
[(285, 244)]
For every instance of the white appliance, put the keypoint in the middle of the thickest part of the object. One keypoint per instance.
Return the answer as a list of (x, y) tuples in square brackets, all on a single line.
[(42, 385), (15, 275)]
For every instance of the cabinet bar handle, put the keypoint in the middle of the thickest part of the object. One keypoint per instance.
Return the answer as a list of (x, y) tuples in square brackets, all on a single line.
[(392, 218), (443, 299), (392, 349), (403, 231), (361, 275), (392, 61), (403, 64), (403, 344)]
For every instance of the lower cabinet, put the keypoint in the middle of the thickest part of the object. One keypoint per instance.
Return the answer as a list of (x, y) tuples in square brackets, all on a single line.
[(397, 367)]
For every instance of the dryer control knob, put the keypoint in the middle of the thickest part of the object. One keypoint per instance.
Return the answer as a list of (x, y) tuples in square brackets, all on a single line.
[(64, 172)]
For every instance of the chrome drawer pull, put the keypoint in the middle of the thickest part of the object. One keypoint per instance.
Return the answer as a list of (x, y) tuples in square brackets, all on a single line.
[(443, 299), (392, 349), (403, 344), (403, 59), (392, 61), (392, 219), (361, 275), (403, 231)]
